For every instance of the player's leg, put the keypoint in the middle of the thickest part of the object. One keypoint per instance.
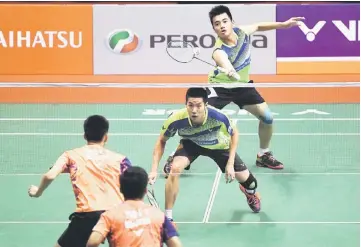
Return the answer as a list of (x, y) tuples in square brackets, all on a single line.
[(218, 98), (168, 164), (79, 229), (250, 100), (247, 182), (183, 157)]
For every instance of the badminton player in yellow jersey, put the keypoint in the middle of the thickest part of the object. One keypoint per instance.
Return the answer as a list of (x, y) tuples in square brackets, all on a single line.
[(204, 131), (232, 51)]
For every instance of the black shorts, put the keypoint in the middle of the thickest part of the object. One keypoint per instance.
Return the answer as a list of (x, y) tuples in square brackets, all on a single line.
[(240, 96), (79, 229), (192, 151)]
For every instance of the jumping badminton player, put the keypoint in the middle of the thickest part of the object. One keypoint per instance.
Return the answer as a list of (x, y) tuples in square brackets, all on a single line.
[(232, 51), (204, 131), (94, 173), (134, 223)]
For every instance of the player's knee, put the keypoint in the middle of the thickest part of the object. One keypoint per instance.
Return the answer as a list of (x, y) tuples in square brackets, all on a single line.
[(267, 117), (177, 168), (250, 183)]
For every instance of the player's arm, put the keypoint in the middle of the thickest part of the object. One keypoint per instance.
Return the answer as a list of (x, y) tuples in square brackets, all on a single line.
[(100, 231), (221, 59), (174, 242), (234, 142), (95, 239), (167, 132), (158, 151), (267, 26), (170, 235), (59, 167)]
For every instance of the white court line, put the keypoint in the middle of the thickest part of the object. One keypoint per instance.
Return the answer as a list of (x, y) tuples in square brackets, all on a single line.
[(163, 119), (214, 222), (212, 196), (212, 173), (157, 134)]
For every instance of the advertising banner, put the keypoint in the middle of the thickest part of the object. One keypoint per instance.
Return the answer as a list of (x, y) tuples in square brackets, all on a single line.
[(132, 39), (329, 30), (46, 39)]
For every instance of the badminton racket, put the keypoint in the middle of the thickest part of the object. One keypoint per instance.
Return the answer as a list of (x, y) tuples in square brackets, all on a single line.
[(151, 197), (184, 52)]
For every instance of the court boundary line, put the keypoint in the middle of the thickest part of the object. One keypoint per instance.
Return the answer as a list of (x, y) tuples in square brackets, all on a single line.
[(212, 196), (157, 134), (212, 173), (210, 222), (163, 119)]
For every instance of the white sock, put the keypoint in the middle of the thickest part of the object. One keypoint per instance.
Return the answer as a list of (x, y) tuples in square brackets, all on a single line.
[(263, 151), (168, 213)]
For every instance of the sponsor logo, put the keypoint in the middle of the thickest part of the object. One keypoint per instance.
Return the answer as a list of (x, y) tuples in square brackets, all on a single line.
[(203, 41), (349, 30), (41, 39), (123, 41)]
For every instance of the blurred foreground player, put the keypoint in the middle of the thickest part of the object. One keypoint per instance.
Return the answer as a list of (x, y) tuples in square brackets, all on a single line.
[(204, 131), (94, 172), (134, 223)]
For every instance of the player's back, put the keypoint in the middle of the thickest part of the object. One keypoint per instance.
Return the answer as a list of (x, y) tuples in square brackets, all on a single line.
[(135, 224), (94, 172)]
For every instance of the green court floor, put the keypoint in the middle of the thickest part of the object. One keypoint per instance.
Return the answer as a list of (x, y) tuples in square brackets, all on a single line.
[(314, 201)]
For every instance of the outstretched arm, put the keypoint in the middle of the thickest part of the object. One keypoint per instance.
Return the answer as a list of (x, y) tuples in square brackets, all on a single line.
[(167, 132), (158, 152), (221, 59), (266, 26), (59, 167)]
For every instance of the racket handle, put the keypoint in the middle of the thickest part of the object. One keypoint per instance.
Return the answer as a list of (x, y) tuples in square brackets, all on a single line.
[(235, 76)]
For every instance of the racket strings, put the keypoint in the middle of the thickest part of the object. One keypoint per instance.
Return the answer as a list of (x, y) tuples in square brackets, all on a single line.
[(151, 198), (180, 51)]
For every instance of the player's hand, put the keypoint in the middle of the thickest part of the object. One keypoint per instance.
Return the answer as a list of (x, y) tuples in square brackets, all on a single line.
[(33, 191), (292, 22), (152, 177), (229, 172), (231, 73)]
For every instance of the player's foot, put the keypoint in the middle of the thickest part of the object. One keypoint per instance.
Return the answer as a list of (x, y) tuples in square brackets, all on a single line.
[(253, 200), (269, 161)]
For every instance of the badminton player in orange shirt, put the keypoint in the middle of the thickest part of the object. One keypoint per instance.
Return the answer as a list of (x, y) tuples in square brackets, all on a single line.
[(134, 223), (94, 173)]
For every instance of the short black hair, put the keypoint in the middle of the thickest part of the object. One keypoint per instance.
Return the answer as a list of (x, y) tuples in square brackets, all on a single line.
[(95, 127), (218, 10), (133, 183), (197, 92)]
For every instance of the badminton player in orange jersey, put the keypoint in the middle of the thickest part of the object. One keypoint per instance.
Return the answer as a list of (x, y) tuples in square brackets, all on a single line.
[(134, 223), (94, 173)]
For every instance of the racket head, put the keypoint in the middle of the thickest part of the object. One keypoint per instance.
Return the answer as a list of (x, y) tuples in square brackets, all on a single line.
[(151, 197), (180, 51)]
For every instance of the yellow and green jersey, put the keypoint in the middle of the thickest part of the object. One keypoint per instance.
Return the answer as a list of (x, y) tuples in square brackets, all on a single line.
[(215, 132), (239, 56)]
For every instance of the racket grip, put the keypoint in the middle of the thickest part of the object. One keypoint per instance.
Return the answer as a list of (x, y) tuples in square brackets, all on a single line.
[(235, 76)]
